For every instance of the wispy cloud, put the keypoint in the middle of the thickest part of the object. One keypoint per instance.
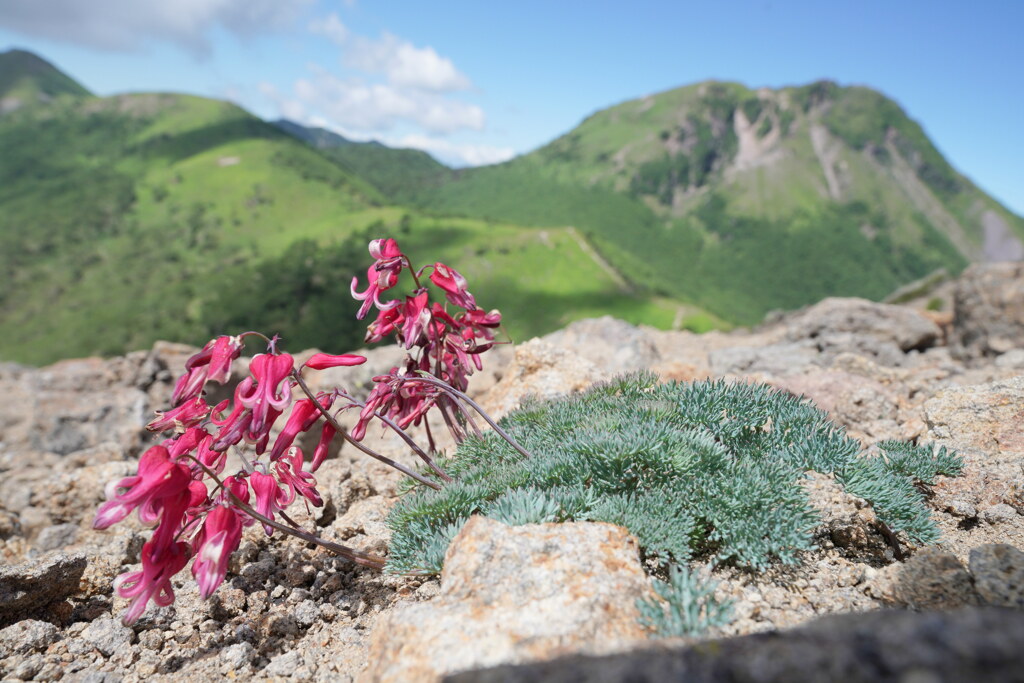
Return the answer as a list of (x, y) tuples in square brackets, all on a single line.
[(126, 25), (400, 62), (455, 154), (389, 89), (378, 107), (405, 65)]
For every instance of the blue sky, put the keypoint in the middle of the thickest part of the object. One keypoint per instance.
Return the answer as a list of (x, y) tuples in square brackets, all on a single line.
[(476, 82)]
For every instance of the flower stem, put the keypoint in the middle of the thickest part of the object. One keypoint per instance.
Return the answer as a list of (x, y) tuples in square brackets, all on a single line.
[(429, 379)]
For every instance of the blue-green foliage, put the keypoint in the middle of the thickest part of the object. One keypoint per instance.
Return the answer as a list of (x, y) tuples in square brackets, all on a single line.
[(705, 468), (687, 606)]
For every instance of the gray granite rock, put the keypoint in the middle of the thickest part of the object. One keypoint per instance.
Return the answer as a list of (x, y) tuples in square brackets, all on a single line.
[(513, 594), (28, 635), (108, 636)]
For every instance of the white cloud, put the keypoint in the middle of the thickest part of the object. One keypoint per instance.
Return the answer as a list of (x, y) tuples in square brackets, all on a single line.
[(331, 28), (353, 104), (455, 154), (127, 25), (287, 108), (403, 64)]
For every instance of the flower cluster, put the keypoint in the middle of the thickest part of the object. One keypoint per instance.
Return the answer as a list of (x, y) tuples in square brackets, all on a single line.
[(199, 514), (443, 343)]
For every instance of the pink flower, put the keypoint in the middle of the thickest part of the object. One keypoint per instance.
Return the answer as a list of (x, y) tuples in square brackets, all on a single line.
[(186, 442), (388, 320), (212, 363), (453, 284), (382, 275), (480, 322), (213, 459), (218, 538), (154, 581), (270, 498), (180, 418), (322, 361), (304, 416), (416, 318), (289, 471), (158, 478), (320, 454), (269, 396), (235, 426), (405, 403)]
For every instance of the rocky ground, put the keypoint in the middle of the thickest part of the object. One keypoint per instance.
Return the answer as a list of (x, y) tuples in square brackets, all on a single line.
[(534, 593)]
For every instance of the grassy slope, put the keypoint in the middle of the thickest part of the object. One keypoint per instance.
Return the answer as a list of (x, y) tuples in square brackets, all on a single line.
[(145, 217), (27, 77)]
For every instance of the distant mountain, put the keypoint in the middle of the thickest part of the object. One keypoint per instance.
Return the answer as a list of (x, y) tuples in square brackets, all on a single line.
[(743, 201), (133, 218), (390, 170), (321, 138), (26, 78), (158, 216)]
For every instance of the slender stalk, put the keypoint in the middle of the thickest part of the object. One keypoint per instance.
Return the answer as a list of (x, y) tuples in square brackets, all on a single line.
[(412, 444), (365, 449), (423, 377), (469, 418)]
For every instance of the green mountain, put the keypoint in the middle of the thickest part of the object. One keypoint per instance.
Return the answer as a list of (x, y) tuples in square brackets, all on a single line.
[(26, 79), (742, 201), (133, 218), (151, 216), (388, 169)]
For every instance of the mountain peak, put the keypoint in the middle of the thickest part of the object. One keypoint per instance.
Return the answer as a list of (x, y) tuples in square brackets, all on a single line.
[(25, 77)]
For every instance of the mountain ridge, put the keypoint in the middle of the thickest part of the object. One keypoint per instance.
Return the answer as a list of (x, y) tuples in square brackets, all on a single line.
[(703, 206), (146, 216)]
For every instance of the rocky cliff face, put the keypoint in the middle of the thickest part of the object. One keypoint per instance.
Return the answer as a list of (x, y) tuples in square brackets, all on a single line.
[(286, 610)]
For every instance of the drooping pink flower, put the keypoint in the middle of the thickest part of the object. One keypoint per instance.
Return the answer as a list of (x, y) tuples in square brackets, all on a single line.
[(453, 284), (382, 275), (235, 426), (211, 364), (320, 453), (415, 318), (181, 417), (158, 478), (153, 582), (289, 471), (185, 443), (388, 320), (304, 415), (322, 361), (270, 497), (269, 396), (481, 322), (219, 536), (213, 459)]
